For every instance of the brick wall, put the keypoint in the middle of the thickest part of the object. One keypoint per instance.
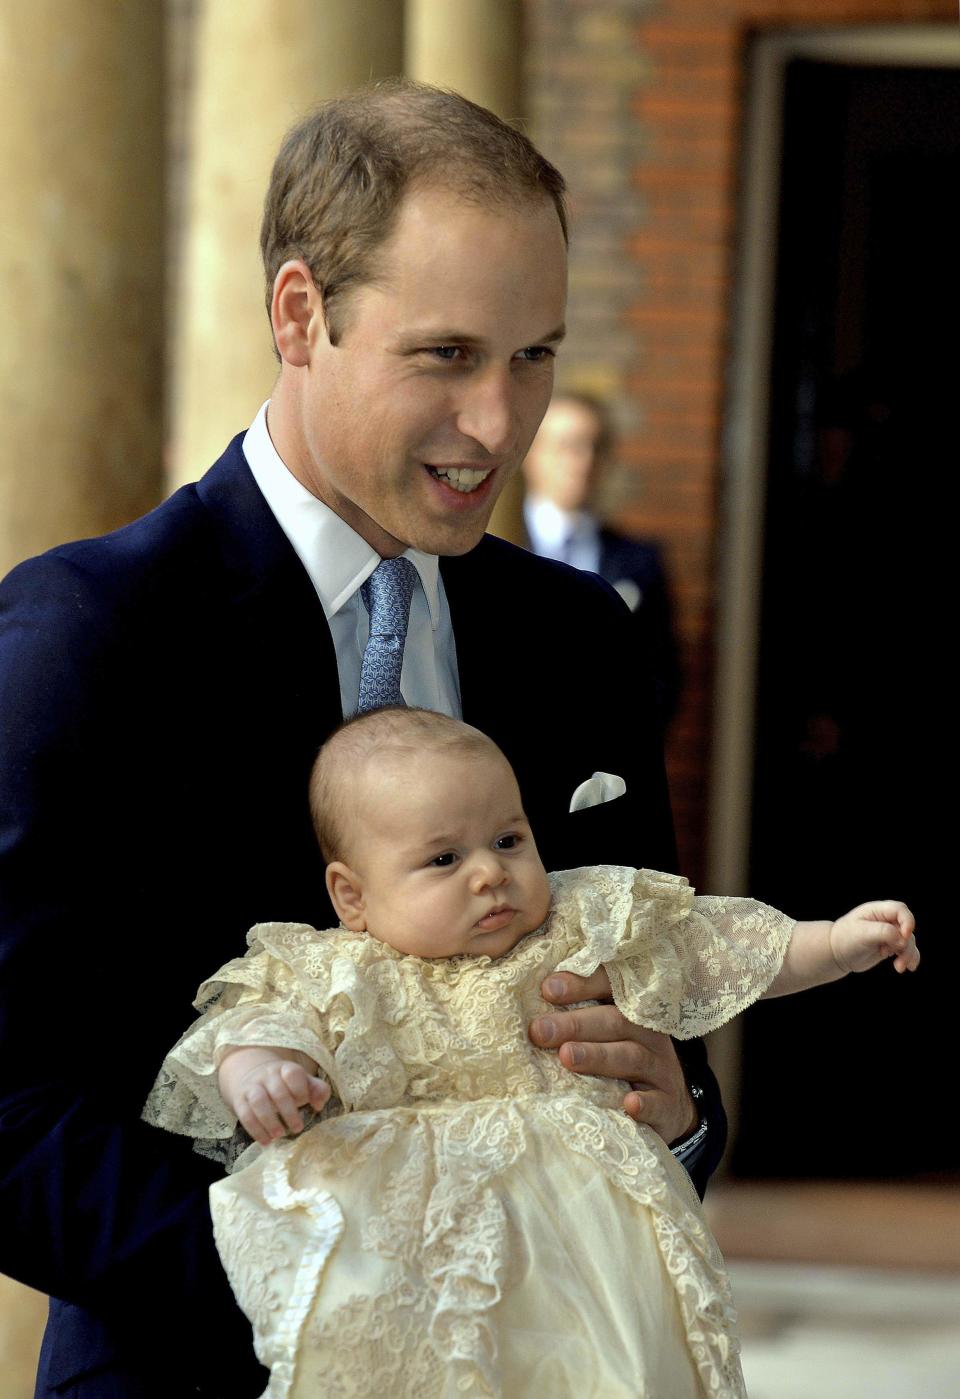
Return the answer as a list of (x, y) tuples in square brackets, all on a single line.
[(639, 103)]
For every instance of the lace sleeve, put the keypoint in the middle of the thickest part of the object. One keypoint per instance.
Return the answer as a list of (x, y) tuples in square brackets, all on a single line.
[(677, 963), (295, 989), (258, 999)]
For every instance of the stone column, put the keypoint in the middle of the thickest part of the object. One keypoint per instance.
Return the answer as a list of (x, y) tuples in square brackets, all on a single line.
[(476, 47), (81, 243), (256, 70)]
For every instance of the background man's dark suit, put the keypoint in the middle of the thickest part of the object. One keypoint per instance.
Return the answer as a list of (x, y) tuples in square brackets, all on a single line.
[(163, 692), (638, 563)]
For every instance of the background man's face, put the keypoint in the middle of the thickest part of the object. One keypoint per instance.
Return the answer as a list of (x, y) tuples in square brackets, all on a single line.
[(564, 461), (413, 423)]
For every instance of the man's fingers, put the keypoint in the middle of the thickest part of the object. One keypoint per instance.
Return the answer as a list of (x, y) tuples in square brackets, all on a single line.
[(599, 1040), (669, 1117), (610, 1059), (646, 1106), (587, 1022), (563, 987), (636, 1105)]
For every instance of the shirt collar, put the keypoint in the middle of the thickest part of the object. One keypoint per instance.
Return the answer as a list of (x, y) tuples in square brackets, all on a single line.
[(337, 559)]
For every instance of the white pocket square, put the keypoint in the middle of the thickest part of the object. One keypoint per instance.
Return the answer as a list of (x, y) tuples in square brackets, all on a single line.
[(601, 787)]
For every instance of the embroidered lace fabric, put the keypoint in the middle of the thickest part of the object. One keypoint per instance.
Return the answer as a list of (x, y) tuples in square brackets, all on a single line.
[(466, 1217)]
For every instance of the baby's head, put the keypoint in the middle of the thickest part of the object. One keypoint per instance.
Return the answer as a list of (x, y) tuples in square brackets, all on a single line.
[(420, 821)]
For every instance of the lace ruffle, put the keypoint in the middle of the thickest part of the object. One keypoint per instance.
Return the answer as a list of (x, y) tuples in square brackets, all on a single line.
[(677, 963)]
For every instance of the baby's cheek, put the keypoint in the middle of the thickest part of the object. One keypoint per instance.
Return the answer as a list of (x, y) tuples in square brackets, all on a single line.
[(543, 907)]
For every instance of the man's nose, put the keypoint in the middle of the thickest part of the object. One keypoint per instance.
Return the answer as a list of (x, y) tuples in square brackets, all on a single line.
[(488, 412)]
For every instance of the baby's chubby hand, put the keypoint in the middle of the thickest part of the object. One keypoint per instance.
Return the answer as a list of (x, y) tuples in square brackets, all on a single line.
[(873, 932), (267, 1091)]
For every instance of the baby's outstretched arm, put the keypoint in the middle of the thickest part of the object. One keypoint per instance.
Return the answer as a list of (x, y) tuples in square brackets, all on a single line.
[(868, 934), (266, 1088)]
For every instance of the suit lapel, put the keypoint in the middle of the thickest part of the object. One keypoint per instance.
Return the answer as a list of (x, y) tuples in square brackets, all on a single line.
[(271, 604), (467, 583)]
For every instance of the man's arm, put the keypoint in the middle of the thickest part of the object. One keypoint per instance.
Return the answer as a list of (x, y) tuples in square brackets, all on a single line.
[(98, 1209)]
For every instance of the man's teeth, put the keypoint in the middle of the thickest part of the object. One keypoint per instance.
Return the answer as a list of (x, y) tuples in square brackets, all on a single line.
[(461, 478)]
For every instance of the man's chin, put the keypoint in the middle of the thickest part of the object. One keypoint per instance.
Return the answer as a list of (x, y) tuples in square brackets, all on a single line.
[(452, 541)]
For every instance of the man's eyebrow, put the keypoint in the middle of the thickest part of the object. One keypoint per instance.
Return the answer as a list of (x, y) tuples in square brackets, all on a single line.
[(434, 335)]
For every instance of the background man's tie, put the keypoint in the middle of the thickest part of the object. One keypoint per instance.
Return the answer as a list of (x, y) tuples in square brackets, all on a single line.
[(386, 595)]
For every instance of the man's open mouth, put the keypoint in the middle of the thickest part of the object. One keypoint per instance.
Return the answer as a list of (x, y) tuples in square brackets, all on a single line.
[(461, 478)]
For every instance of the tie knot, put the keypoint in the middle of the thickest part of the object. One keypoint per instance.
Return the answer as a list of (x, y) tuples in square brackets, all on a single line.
[(386, 595)]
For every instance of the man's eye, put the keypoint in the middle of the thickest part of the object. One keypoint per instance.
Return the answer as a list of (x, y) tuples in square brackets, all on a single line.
[(448, 353), (536, 354), (442, 861), (508, 842)]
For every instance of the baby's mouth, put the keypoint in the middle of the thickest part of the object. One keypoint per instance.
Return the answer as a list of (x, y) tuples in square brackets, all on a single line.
[(461, 478), (497, 918)]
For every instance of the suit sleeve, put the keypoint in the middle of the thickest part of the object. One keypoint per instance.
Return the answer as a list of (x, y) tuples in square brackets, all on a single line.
[(99, 1210)]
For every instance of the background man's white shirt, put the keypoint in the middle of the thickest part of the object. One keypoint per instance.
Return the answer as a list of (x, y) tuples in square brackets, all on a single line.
[(568, 535), (338, 562)]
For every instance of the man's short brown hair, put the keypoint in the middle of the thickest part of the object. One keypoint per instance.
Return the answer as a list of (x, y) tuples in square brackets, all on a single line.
[(340, 176)]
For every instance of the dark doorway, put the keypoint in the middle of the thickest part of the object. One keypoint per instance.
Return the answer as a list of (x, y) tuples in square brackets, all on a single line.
[(852, 794)]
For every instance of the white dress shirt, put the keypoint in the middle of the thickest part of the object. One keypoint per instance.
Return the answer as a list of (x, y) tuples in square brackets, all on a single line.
[(338, 562), (568, 535)]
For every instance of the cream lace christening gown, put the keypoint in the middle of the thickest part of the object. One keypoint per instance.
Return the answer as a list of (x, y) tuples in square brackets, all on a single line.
[(467, 1217)]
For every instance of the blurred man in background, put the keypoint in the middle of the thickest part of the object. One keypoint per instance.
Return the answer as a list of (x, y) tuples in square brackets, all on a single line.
[(563, 470)]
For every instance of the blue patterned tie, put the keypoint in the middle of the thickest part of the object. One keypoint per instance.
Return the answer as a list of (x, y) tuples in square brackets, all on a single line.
[(386, 595)]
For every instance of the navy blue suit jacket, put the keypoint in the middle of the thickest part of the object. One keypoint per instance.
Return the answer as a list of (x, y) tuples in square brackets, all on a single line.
[(163, 692)]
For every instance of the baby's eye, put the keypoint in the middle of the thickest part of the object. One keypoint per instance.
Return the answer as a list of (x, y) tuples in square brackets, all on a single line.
[(507, 842), (442, 861)]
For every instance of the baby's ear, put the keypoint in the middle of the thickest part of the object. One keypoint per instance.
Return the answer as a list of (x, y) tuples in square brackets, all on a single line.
[(346, 895)]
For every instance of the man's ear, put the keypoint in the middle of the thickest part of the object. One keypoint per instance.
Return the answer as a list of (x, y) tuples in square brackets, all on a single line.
[(346, 895), (296, 301)]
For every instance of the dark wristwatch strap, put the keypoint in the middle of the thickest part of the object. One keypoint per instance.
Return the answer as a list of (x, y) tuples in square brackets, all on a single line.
[(689, 1146)]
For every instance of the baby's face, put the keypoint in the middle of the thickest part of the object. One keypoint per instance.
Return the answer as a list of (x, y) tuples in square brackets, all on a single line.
[(445, 857)]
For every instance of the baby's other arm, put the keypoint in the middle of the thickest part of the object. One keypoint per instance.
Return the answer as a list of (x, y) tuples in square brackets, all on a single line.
[(266, 1087), (867, 935)]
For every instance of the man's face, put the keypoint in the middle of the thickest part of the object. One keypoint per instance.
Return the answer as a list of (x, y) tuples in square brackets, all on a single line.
[(411, 425), (564, 461), (445, 856)]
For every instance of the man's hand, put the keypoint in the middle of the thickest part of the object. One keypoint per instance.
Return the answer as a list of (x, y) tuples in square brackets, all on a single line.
[(266, 1088), (599, 1040)]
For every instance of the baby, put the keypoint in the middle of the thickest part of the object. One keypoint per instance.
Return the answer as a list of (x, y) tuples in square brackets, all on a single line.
[(414, 1240)]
